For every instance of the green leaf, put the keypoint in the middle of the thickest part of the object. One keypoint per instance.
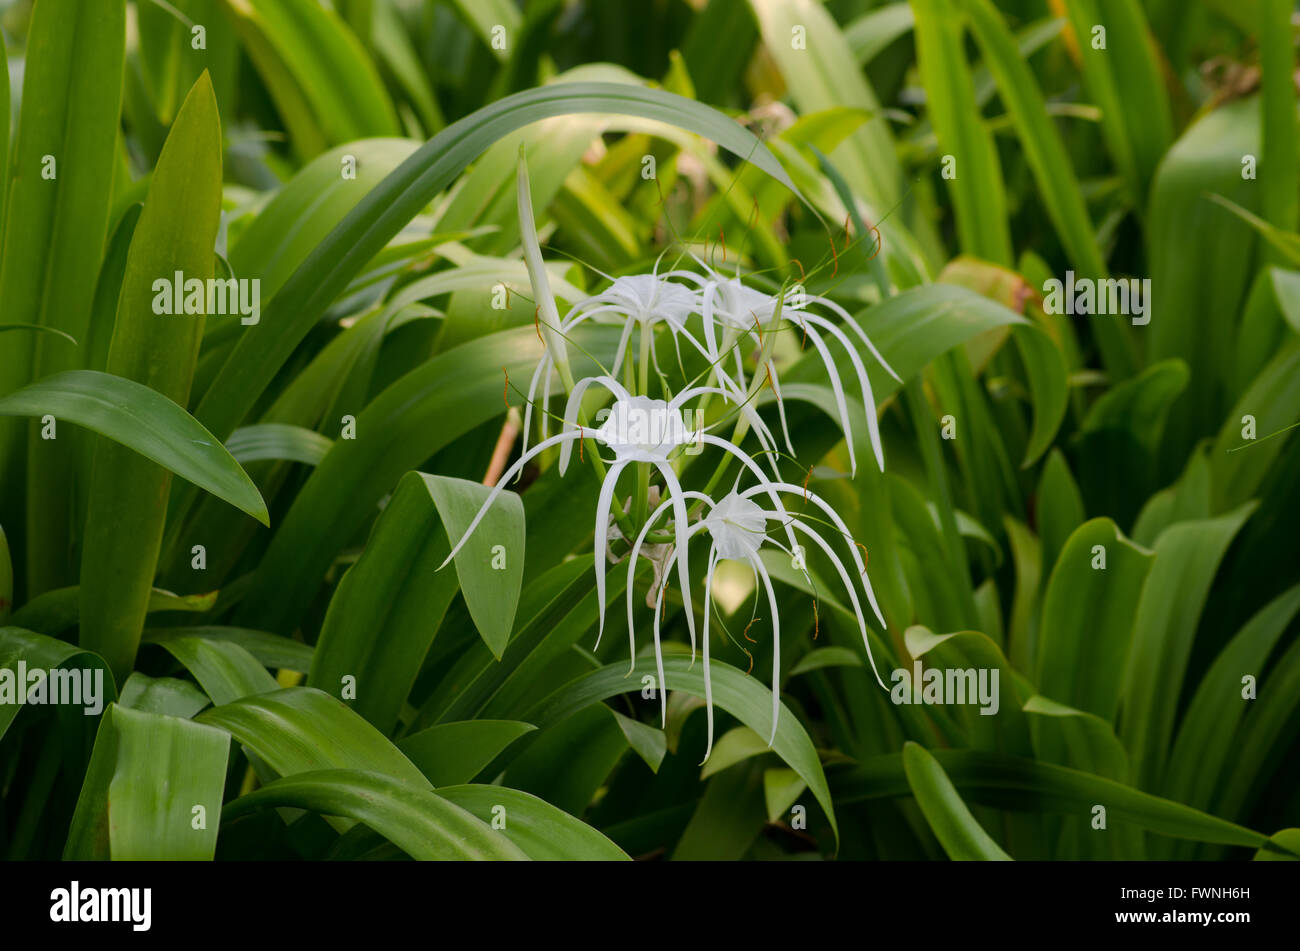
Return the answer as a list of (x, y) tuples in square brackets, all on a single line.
[(1013, 782), (1139, 405), (148, 777), (1238, 466), (490, 565), (823, 657), (822, 74), (270, 650), (388, 607), (39, 652), (1070, 737), (1123, 79), (452, 753), (1189, 234), (163, 695), (422, 412), (1288, 839), (781, 789), (1059, 507), (1187, 555), (741, 696), (1088, 618), (309, 206), (175, 235), (646, 741), (870, 34), (1269, 728), (224, 670), (978, 195), (728, 818), (300, 729), (324, 85), (57, 215), (278, 441), (1278, 135), (144, 421), (56, 611), (417, 820), (1023, 628), (37, 328), (961, 836), (6, 578), (570, 760), (487, 16), (732, 747), (1286, 288), (989, 722), (1211, 725), (541, 830)]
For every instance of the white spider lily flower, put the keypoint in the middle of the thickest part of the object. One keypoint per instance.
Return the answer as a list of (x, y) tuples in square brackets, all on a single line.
[(737, 527), (638, 429), (639, 301), (744, 312)]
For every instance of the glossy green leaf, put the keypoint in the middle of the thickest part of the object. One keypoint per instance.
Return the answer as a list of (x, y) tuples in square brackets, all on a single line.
[(976, 185), (1013, 782), (152, 790), (277, 441), (144, 421), (270, 650), (57, 216), (960, 835), (1210, 727), (299, 729), (56, 611), (1187, 555), (163, 695), (1088, 620), (490, 565), (452, 753), (542, 831), (413, 817), (742, 696), (39, 652), (388, 607)]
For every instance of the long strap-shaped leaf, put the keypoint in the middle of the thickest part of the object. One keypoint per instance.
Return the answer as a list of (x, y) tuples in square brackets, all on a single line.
[(961, 836), (145, 421), (1013, 782), (416, 820), (741, 696)]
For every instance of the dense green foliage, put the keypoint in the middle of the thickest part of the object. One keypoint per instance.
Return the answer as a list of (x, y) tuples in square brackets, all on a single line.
[(235, 522)]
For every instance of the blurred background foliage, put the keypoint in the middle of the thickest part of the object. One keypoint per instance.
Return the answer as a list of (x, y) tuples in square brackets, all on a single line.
[(1163, 687)]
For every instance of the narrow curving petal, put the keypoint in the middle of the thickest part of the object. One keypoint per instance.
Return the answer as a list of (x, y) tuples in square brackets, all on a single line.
[(864, 382), (575, 403), (603, 504), (837, 388), (708, 679), (856, 328), (776, 644), (681, 531), (848, 586)]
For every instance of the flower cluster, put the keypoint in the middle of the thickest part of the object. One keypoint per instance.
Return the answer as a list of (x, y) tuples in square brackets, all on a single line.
[(726, 324)]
